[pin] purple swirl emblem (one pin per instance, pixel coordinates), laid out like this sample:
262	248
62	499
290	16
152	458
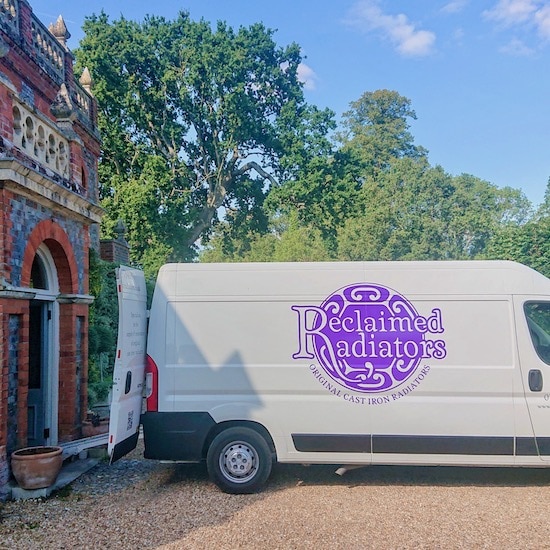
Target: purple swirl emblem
367	337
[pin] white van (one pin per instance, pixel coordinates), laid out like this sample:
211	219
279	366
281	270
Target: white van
342	363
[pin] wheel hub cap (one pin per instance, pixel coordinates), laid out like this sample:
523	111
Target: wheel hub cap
239	460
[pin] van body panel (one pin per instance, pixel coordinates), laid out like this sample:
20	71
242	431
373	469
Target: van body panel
353	362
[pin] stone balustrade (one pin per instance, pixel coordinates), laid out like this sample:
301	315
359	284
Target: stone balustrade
40	140
49	51
50	55
9	16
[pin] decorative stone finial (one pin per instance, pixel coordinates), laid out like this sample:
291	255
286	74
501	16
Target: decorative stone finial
86	80
62	107
120	230
59	30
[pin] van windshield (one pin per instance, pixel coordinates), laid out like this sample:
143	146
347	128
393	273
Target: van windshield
538	321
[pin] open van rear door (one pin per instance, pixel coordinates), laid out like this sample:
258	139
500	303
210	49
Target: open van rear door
129	368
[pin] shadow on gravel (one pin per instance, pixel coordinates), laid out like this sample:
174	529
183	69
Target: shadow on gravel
185	473
286	475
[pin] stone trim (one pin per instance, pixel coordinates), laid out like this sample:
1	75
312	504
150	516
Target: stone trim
85	299
25	181
49	53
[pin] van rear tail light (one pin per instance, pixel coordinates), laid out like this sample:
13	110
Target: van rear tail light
151	385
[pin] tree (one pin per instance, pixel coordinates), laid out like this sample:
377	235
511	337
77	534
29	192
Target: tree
405	214
322	196
527	243
376	127
330	191
288	240
196	122
413	211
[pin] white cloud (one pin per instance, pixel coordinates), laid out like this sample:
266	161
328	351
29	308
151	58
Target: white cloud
517	48
307	76
454	6
542	20
458	34
511	12
526	13
367	16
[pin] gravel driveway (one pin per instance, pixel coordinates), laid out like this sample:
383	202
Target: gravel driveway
142	504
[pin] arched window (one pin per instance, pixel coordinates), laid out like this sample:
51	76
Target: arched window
44	272
39	278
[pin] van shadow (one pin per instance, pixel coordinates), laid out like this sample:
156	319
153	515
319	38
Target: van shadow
285	476
288	475
219	381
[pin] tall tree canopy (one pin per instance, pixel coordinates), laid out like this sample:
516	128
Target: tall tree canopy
376	197
206	132
195	121
417	212
330	190
376	129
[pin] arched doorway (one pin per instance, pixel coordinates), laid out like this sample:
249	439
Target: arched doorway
43	351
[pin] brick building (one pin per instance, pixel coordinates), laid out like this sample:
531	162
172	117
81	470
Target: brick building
49	147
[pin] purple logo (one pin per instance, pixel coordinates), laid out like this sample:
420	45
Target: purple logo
367	337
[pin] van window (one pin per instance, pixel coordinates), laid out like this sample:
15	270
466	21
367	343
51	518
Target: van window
538	321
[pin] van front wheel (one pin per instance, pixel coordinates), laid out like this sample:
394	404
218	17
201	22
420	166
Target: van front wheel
239	460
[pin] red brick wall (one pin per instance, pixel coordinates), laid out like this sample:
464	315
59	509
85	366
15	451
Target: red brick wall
68	239
68	423
14	307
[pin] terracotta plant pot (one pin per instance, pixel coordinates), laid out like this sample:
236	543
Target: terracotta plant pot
36	467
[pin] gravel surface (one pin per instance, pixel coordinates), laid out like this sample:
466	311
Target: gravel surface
143	504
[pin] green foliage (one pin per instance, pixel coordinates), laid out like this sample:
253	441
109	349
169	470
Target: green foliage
196	121
207	139
528	244
415	212
376	127
323	196
288	241
102	328
334	192
404	215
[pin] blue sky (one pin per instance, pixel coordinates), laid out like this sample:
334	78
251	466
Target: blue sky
476	71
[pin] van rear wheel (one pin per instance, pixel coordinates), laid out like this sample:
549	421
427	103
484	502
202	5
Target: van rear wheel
239	460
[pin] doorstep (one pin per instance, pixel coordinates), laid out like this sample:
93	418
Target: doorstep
78	457
69	472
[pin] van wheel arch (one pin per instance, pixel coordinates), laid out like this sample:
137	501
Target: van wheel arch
222	426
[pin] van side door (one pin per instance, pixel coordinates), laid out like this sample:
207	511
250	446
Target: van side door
533	334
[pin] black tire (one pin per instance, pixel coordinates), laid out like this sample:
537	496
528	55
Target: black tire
239	460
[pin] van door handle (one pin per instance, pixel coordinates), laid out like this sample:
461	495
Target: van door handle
128	385
535	380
